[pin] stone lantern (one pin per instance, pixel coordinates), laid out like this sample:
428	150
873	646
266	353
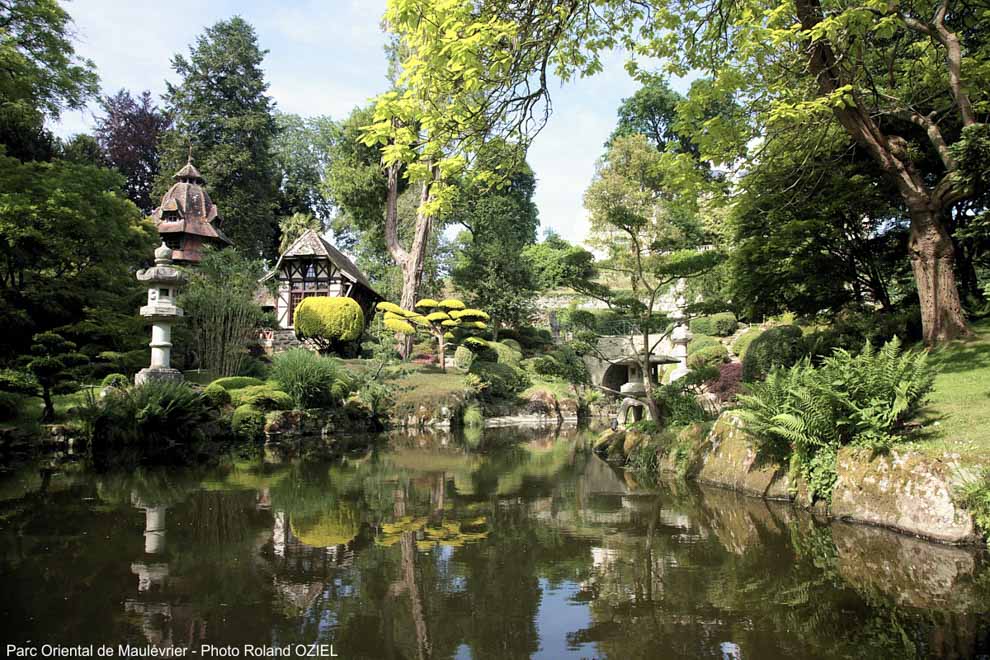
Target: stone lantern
680	338
164	282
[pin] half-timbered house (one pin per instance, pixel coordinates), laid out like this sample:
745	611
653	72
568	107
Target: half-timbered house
311	266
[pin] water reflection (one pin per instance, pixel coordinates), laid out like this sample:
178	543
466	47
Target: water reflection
510	545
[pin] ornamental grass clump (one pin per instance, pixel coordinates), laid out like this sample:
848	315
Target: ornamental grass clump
313	381
805	414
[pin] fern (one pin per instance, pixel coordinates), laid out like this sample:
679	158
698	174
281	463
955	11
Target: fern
865	400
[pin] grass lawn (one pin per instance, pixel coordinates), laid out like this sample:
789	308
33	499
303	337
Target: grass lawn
960	404
559	388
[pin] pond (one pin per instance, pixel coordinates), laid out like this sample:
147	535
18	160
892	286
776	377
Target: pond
510	545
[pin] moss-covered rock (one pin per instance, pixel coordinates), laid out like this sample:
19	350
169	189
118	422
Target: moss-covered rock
904	490
731	460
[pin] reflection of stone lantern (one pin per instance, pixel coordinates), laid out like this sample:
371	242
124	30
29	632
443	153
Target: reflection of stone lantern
154	526
164	282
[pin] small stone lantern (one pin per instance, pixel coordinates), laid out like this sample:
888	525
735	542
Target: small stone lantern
164	282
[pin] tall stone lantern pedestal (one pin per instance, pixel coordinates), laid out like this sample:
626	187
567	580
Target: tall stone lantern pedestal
164	282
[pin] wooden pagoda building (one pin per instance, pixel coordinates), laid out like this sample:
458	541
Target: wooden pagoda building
311	266
187	219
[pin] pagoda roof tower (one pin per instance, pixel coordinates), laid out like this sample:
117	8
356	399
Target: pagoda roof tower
187	219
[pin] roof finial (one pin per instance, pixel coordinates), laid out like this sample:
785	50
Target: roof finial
189	158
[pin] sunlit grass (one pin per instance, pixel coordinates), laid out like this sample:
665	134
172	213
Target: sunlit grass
959	411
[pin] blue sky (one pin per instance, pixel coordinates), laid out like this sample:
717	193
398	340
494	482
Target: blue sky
325	58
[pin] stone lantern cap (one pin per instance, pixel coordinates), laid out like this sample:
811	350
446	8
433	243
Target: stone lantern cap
163	272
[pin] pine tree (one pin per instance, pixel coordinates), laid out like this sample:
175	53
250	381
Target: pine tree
222	112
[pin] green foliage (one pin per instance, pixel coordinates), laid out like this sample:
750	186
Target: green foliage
44	74
780	346
709	356
703	325
10	405
463	357
311	380
292	227
724	323
262	397
513	344
222	314
699	342
563	363
505	353
555	263
153	413
328	321
852	329
220	106
808	412
237	382
248	422
974	495
742	342
678	403
474	417
53	363
53	216
115	380
499	380
217	395
481	349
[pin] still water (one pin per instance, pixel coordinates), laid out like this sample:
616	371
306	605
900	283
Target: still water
512	545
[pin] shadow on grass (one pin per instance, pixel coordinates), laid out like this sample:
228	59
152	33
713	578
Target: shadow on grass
963	356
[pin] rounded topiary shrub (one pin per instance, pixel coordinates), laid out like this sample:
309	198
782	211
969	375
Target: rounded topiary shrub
216	395
513	344
502	381
703	325
742	342
506	354
248	422
709	356
701	342
118	381
237	382
463	357
724	323
328	321
262	397
782	346
483	352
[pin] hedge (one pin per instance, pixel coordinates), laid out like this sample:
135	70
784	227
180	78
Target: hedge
327	320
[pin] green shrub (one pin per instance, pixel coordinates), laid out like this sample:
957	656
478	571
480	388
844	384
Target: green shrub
237	382
974	495
505	353
483	351
311	380
463	357
851	330
10	405
700	342
216	395
513	344
781	346
115	380
262	397
724	323
248	422
709	356
500	381
150	413
742	342
564	363
703	325
678	404
806	414
328	321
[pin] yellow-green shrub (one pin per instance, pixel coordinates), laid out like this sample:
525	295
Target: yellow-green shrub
328	321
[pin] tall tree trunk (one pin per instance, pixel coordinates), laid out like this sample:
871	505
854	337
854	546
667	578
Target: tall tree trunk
410	261
651	402
933	263
929	245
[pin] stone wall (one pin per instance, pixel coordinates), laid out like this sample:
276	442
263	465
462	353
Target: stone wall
904	490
